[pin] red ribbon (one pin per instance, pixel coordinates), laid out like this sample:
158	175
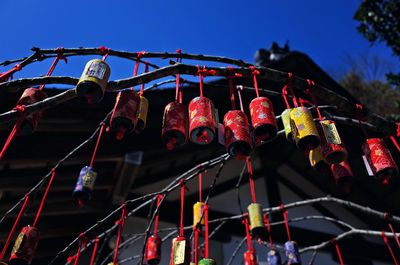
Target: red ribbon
338	253
105	51
254	73
203	72
239	89
290	86
94	252
248	236
97	144
156	220
6	75
120	224
82	243
39	211
251	179
54	64
285	218
311	85
386	241
267	222
231	75
206	232
359	113
181	227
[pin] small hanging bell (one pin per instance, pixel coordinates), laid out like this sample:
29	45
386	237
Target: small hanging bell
198	209
263	119
30	122
238	140
333	149
207	261
273	257
256	220
380	160
142	114
124	117
180	251
175	125
93	81
25	246
285	116
292	253
85	184
202	121
250	257
153	250
305	132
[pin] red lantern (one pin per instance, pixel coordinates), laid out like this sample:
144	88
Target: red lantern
379	159
250	257
342	172
238	140
25	246
153	250
202	122
333	149
30	96
124	117
263	119
175	122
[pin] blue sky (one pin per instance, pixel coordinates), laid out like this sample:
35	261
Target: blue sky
325	30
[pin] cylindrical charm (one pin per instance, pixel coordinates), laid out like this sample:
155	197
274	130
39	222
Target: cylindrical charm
379	159
273	257
257	226
180	251
285	116
333	149
124	117
250	258
305	132
202	122
175	125
238	141
263	119
93	81
142	114
316	158
292	253
207	261
153	250
342	172
25	246
198	208
85	184
30	122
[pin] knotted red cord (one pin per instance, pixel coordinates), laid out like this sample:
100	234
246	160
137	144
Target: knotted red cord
97	144
94	252
39	211
254	73
203	72
338	253
239	89
6	75
105	51
206	231
8	240
231	75
385	239
284	96
146	69
120	224
267	222
181	227
156	220
178	88
82	243
311	85
285	218
359	109
290	86
54	64
248	237
251	179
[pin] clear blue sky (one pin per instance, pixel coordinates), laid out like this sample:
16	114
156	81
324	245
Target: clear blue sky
325	30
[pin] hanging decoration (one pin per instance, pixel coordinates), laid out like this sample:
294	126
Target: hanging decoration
206	260
198	220
93	81
291	249
202	118
273	256
120	223
316	158
24	246
249	256
342	173
238	139
144	104
153	244
285	116
262	114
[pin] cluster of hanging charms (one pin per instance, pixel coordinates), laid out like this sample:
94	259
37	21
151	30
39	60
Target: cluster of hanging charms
154	243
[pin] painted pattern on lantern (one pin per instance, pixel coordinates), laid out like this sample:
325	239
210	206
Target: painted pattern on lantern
85	183
304	130
273	257
333	149
285	116
238	141
202	122
181	251
175	125
341	172
292	253
153	250
25	246
125	110
263	119
28	97
256	219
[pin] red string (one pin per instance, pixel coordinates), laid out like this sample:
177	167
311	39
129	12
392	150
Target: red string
105	51
206	230
398	129
395	142
10	138
54	64
196	245
284	95
339	253
6	75
146	69
21	211
200	187
181	228
285	218
385	239
311	85
290	86
94	252
97	144
39	211
156	220
248	237
394	235
239	89
82	242
359	109
230	77
120	223
254	73
267	222
251	179
202	72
